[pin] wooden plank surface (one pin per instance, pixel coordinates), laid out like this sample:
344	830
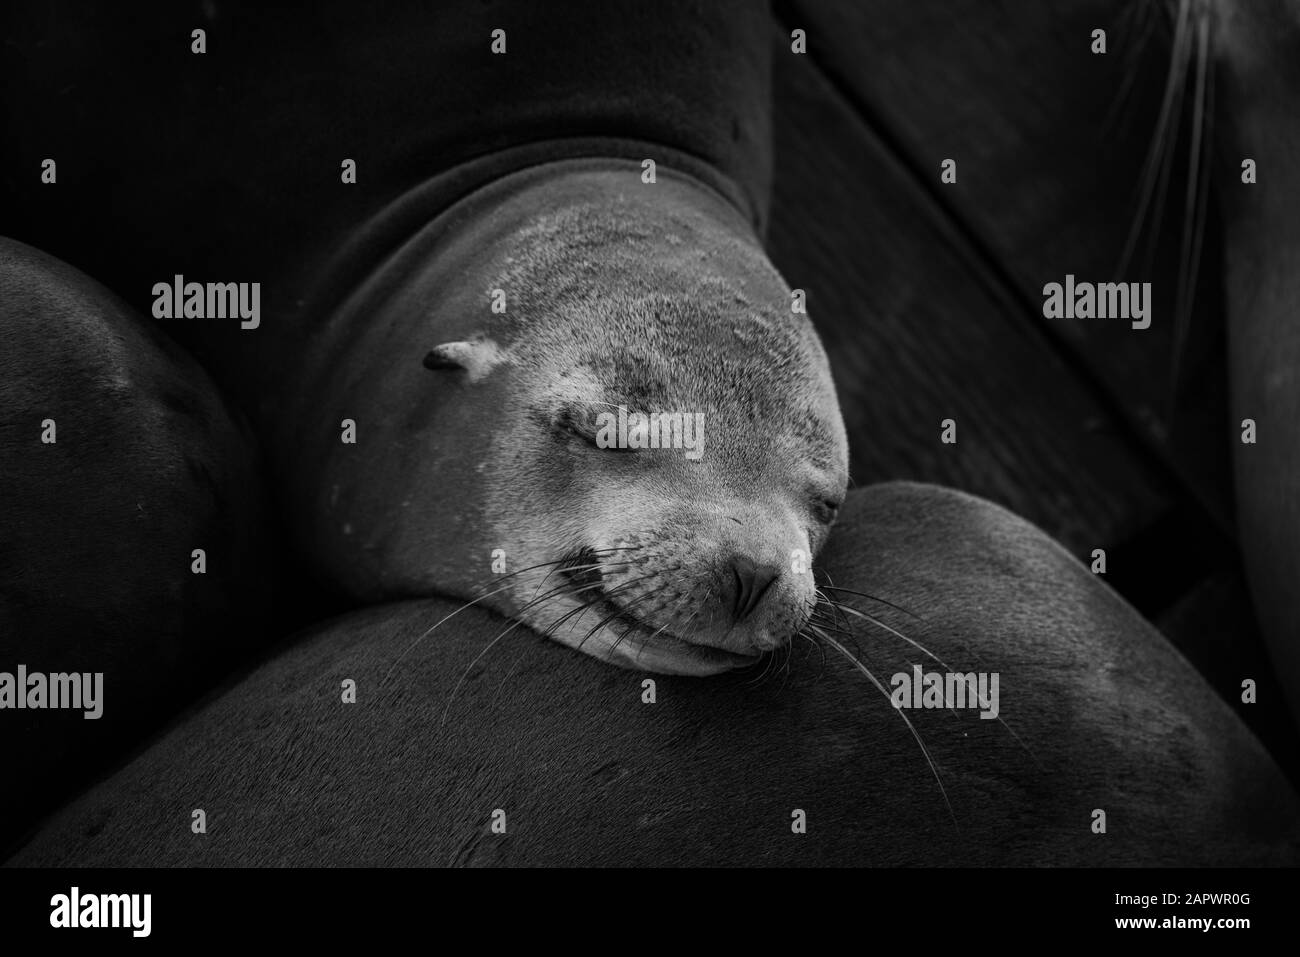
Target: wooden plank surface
917	333
1051	141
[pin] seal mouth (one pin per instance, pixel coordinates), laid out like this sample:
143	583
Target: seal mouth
639	644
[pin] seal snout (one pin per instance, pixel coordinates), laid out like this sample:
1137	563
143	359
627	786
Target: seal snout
750	581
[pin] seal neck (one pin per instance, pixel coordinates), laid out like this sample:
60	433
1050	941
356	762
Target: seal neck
367	247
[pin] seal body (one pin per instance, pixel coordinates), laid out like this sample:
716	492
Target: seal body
137	549
1099	714
1254	52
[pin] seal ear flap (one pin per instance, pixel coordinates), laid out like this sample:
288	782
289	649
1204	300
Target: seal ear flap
478	357
449	355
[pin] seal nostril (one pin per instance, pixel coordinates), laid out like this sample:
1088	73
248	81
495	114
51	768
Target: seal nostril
751	584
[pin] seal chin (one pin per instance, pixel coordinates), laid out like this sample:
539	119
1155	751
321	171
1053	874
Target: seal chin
620	636
665	654
627	642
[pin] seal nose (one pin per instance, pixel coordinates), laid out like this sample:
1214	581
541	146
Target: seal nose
751	582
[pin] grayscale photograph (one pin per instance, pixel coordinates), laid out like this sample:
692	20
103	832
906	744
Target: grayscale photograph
677	434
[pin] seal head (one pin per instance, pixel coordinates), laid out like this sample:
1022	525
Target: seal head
636	428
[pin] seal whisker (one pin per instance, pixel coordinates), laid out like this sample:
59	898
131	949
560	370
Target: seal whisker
1197	199
561	589
545	634
429	631
946	667
820	598
834	625
883	601
893	631
618	610
435	625
1147	17
558	590
554	625
757	680
1155	177
548	631
632	625
600	624
785	668
661	628
575	568
600	596
695	614
513	665
814	643
470	667
906	720
498	579
561	562
686	637
947	707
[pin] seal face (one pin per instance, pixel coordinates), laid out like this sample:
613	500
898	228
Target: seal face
669	454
